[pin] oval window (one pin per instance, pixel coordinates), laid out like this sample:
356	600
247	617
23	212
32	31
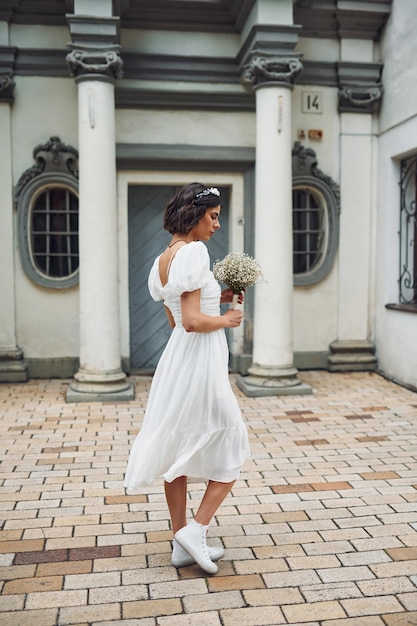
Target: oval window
316	207
54	232
310	230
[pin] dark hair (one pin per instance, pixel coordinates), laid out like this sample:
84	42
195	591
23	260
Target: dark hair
184	211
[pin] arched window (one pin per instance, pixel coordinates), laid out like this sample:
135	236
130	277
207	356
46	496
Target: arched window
47	200
316	206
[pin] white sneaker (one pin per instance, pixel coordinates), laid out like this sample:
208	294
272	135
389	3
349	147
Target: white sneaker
192	538
181	558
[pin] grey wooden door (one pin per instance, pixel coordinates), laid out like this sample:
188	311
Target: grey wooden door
149	329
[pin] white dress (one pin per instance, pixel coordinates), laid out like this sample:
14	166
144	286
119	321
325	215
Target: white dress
192	425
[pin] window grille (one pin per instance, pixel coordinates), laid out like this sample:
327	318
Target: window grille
309	230
408	232
54	233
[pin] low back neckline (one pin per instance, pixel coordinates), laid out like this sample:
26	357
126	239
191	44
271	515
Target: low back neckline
173	255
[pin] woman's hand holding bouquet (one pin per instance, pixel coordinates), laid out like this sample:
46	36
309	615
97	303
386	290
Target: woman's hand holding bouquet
238	271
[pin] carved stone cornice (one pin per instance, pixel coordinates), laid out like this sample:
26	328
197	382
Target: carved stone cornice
7	86
146	98
94	31
7	9
7	58
101	64
360	99
262	70
344	19
360	87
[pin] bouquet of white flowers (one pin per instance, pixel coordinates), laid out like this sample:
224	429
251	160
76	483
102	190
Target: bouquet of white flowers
237	270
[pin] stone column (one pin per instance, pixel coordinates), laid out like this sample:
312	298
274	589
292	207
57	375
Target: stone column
96	66
272	371
358	99
12	366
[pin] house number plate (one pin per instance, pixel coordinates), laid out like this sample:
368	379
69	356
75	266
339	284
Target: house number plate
312	102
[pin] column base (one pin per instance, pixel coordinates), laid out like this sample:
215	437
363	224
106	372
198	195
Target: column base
352	356
111	386
264	381
13	368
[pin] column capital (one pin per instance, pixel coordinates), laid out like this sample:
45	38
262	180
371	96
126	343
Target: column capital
94	53
263	71
94	64
7	63
7	86
360	87
268	56
359	99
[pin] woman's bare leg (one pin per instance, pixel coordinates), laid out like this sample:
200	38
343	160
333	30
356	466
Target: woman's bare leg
192	538
215	494
176	497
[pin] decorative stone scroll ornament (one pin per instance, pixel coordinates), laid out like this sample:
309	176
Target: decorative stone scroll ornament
7	86
274	69
360	99
51	157
305	163
95	64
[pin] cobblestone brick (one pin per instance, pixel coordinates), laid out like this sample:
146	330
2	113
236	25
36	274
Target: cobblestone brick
320	529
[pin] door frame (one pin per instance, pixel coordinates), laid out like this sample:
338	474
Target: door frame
235	182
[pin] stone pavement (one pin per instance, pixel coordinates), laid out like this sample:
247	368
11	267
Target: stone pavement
319	530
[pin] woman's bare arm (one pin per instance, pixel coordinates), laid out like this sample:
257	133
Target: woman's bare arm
194	321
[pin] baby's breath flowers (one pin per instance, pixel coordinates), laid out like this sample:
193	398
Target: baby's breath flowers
237	270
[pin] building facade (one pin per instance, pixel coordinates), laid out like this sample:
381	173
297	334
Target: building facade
302	113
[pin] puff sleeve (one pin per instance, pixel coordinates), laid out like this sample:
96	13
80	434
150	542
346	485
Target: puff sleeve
154	283
190	268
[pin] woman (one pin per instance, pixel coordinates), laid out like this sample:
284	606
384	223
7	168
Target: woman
192	425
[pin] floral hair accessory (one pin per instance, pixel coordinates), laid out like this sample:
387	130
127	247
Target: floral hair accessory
210	191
